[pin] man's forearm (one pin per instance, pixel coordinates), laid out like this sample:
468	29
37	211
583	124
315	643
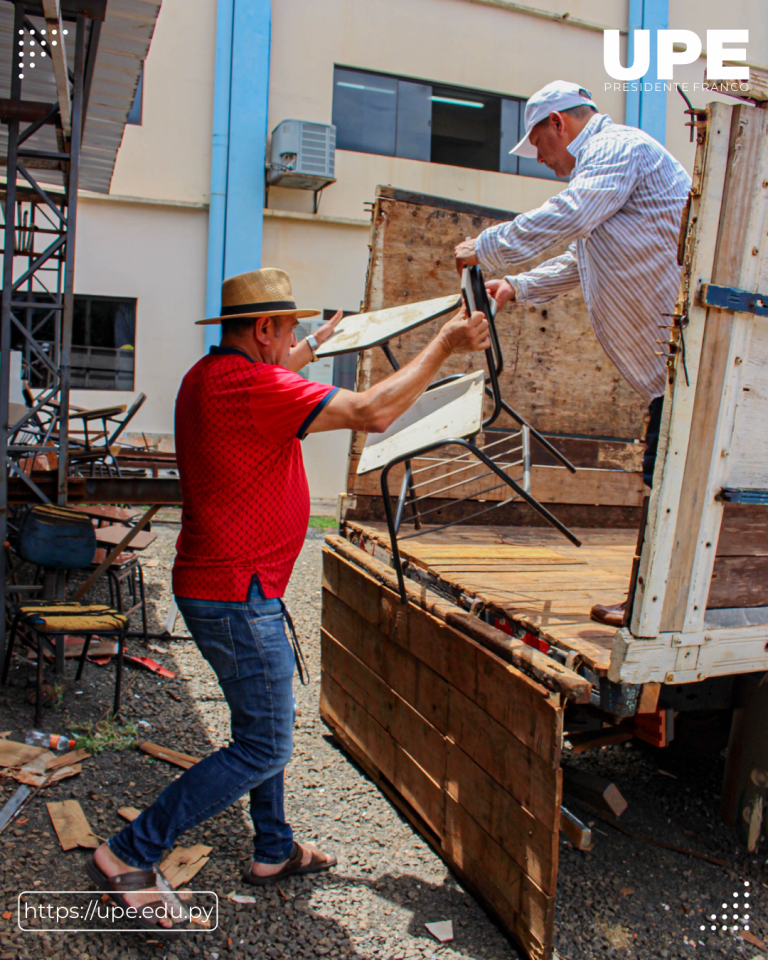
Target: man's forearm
393	396
374	410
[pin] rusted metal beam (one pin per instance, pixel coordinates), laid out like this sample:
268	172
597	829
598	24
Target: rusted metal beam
162	490
26	111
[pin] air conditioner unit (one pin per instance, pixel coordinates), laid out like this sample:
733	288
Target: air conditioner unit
302	155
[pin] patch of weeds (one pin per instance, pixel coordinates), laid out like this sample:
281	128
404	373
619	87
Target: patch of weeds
323	523
105	735
58	694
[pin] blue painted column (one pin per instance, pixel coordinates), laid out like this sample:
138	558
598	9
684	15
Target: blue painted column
241	98
647	109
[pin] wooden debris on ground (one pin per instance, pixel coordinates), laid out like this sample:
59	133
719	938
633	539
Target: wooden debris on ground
36	774
66	759
71	826
73	647
183	760
577	832
598	792
14	754
183	863
128	813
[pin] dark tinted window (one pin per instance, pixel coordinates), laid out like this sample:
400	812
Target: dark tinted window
365	111
103	343
465	128
375	113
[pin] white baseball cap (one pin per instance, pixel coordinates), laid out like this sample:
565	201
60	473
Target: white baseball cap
558	95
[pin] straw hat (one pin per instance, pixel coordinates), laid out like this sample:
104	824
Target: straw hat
260	293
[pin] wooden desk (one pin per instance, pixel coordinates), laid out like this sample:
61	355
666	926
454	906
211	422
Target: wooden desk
104	512
114	533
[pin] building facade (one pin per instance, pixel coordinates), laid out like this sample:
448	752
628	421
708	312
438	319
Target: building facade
426	95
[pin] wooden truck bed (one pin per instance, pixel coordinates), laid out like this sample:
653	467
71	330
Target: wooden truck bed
528	577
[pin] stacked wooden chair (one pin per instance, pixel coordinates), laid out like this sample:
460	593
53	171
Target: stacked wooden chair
61	539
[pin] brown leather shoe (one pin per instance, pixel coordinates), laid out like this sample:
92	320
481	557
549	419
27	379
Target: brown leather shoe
612	616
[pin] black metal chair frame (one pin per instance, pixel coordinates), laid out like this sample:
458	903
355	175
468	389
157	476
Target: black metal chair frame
132	572
476	298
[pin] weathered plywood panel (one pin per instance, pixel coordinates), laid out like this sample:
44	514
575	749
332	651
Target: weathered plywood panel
556	373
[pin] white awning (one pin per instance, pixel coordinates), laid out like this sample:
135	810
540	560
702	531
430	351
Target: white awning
123	44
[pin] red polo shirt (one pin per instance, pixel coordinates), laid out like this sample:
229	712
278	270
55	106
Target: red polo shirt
239	426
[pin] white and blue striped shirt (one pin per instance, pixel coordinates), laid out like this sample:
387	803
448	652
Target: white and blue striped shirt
621	215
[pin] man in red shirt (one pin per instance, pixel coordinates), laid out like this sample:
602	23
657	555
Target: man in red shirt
241	414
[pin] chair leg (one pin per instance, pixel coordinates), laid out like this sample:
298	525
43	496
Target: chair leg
115	593
9	648
119	677
39	693
143	597
83	655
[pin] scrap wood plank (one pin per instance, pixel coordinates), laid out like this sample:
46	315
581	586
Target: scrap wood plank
71	826
577	832
183	760
593	739
14	754
548	673
598	792
443	652
42	778
70	757
183	863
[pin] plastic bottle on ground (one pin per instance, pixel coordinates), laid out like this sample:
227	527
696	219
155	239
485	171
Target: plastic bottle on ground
50	741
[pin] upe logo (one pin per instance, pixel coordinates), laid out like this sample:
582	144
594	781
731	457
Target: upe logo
668	57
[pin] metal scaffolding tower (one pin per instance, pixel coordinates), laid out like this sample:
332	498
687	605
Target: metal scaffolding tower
49	50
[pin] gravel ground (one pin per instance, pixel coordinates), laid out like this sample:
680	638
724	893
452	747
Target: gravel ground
625	899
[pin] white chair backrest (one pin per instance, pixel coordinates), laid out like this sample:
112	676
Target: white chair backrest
451	411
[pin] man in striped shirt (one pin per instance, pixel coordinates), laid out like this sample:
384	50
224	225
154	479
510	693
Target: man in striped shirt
620	216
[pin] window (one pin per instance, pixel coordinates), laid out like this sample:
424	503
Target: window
134	115
339	371
103	342
376	113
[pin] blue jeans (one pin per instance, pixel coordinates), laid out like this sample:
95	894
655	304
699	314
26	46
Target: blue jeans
247	647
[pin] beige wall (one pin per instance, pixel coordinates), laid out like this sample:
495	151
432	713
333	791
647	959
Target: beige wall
157	255
169	156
